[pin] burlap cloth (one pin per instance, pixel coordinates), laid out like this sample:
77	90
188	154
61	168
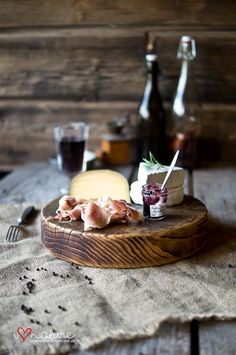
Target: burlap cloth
105	303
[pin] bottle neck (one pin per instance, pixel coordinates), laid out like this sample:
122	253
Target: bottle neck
151	99
152	73
183	76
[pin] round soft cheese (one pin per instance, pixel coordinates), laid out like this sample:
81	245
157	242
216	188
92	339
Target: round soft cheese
151	174
148	174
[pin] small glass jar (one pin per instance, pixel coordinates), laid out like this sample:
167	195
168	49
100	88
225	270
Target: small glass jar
154	200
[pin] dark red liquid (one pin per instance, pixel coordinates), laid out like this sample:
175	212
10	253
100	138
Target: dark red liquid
71	153
187	144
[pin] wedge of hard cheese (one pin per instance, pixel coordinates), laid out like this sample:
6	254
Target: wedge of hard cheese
99	183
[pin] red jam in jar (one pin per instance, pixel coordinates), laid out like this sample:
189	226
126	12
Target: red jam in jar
154	200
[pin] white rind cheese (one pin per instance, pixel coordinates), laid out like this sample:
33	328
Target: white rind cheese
147	175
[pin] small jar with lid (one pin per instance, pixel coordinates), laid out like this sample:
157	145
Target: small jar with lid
154	200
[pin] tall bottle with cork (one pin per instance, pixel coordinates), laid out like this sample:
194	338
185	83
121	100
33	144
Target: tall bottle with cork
151	126
186	122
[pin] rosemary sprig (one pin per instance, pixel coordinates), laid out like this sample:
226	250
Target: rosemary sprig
152	162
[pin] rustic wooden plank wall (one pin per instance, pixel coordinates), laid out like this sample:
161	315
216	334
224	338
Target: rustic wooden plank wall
77	59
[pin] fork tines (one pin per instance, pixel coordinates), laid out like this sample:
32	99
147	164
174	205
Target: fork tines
12	233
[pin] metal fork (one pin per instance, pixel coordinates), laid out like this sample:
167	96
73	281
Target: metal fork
13	231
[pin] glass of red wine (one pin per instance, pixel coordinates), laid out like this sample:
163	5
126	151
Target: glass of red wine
71	140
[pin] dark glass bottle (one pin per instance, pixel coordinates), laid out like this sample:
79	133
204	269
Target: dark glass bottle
151	122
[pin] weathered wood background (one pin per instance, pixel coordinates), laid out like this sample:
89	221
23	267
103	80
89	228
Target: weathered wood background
81	59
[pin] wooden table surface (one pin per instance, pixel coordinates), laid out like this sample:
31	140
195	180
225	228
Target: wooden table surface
37	183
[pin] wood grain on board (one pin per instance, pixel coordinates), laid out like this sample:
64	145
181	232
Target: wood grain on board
148	243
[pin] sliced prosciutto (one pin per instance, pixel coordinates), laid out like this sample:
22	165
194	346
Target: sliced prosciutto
69	207
94	216
96	213
66	203
73	214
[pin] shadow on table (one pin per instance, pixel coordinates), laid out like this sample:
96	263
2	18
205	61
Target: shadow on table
219	234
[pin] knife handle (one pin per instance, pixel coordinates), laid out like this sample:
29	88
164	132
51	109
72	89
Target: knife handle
27	214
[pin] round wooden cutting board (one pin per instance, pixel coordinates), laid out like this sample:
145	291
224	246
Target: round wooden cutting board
150	243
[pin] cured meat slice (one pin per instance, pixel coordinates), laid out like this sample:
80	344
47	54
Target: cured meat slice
94	216
66	203
96	213
74	214
120	210
134	215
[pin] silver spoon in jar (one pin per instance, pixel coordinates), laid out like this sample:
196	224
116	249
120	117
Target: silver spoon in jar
171	167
